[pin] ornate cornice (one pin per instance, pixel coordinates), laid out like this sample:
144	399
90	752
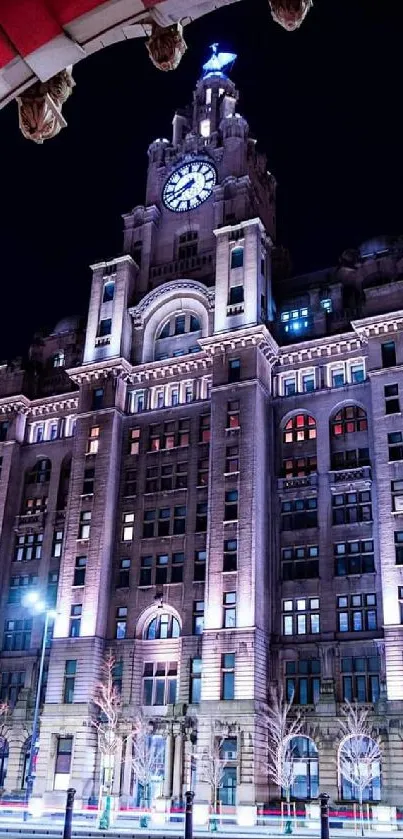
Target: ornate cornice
156	372
18	404
322	348
99	370
378	325
53	405
165	290
252	336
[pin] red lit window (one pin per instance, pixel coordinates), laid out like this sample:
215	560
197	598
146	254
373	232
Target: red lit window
349	420
299	428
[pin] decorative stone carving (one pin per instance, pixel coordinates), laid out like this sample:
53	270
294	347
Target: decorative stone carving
290	13
40	107
166	46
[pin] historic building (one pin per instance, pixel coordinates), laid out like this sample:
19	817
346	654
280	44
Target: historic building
207	478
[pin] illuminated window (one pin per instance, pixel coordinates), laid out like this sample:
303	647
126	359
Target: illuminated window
134	440
360	679
228	676
128	527
93	440
229	609
109	291
84	525
28	546
160	684
231	460
233	414
204	428
58	359
295	320
327	305
198	617
121	622
208	95
161	627
205	128
299	467
70	668
75	620
356	613
348	421
195	680
301	616
299	428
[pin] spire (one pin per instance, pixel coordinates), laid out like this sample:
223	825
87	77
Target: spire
217	61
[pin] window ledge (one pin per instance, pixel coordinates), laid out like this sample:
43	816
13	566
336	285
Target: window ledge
103	340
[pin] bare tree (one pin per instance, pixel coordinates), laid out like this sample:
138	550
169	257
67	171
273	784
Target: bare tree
105	712
284	722
359	751
212	765
147	757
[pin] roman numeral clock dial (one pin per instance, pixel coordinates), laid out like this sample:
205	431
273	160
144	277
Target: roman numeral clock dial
189	185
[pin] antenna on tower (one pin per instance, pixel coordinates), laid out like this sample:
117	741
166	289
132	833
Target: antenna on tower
217	61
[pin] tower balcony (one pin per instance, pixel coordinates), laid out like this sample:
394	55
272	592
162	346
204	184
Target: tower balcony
284	484
29	521
349	476
181	266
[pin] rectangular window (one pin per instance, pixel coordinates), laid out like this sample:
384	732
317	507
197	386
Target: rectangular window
88	483
128	527
181	475
97	398
232	460
350	459
134	441
357	373
179	520
195	680
152	476
234	370
75	620
28	546
303	681
169	435
236	295
11	684
146	568
178	559
17	635
356	613
233	414
299	467
160	683
396	488
230	562
201	517
93	440
84	529
228	676
299	514
229	609
354	557
164	521
338	377
202	472
399	547
200	566
149	524
123	578
352	507
400	599
51	589
360	679
21	586
130	483
198	617
79	571
57	543
289	385
161	571
237	257
4	430
70	669
183	432
308	382
301	616
395	445
231	505
300	562
63	762
204	429
109	291
121	623
392	403
388	351
104	327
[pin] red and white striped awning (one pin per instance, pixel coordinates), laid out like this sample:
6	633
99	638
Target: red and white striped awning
38	38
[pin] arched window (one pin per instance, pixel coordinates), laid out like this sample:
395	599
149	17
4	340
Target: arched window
360	769
40	474
178	336
303	761
299	428
348	421
162	626
3	760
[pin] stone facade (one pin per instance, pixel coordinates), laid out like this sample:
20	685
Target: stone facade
206	479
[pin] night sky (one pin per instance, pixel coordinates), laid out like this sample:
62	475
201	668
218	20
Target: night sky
324	102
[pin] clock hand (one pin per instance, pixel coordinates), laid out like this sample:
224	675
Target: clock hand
185	187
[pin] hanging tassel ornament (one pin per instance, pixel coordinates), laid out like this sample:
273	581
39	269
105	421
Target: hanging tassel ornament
40	107
166	45
290	13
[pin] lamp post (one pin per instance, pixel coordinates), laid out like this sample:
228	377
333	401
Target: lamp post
32	599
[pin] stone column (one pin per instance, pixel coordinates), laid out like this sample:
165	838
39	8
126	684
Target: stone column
168	765
117	767
127	771
177	782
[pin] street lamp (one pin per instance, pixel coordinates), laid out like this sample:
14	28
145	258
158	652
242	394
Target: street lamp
33	600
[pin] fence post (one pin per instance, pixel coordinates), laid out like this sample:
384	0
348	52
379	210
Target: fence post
189	796
69	813
324	815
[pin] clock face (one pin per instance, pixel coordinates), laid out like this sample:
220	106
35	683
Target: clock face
189	185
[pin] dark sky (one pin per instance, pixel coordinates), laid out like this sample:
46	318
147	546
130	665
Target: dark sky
324	102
